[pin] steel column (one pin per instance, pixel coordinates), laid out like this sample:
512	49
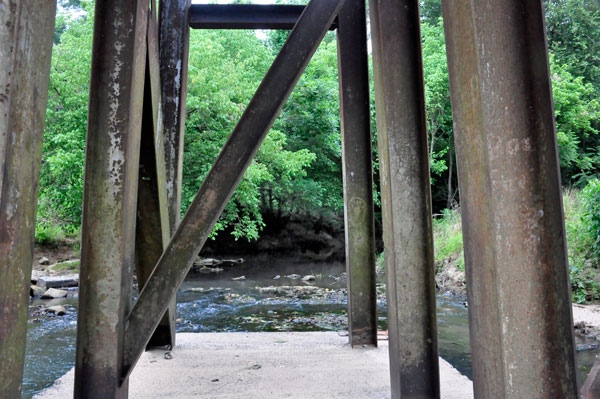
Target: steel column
513	224
355	118
406	198
26	31
225	175
174	33
152	225
110	195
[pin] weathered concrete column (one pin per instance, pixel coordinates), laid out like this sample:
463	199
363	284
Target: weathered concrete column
406	198
110	195
355	118
174	36
513	229
26	31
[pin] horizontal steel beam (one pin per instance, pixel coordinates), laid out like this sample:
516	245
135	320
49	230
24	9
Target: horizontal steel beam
246	16
225	175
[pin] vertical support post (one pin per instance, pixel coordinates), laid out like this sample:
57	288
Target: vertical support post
26	28
358	175
152	224
513	224
110	195
406	198
174	34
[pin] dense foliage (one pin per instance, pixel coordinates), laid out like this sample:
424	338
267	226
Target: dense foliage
298	169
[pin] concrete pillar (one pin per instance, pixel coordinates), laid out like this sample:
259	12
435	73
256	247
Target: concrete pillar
405	197
110	195
26	32
355	118
513	225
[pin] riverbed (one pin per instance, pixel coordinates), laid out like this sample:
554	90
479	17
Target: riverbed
271	296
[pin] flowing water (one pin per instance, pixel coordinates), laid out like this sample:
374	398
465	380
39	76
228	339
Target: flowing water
260	302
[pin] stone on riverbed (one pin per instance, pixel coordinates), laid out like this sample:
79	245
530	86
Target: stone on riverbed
68	280
57	310
36	291
309	277
53	293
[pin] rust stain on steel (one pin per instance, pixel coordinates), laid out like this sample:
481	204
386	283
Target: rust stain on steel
225	175
513	229
355	121
406	198
25	53
174	46
110	195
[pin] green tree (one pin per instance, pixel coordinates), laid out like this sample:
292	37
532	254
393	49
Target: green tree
573	28
225	70
576	111
66	118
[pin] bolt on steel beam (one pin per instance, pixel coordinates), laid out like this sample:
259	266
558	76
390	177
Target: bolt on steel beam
152	223
174	36
246	16
355	118
513	225
225	175
25	53
406	198
110	195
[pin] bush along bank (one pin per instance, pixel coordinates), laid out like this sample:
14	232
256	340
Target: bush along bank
582	222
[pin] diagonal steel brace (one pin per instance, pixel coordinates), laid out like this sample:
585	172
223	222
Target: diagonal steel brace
225	175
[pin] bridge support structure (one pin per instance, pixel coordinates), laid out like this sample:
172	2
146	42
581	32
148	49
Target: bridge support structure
518	284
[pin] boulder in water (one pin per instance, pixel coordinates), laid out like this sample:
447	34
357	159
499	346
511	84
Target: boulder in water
53	293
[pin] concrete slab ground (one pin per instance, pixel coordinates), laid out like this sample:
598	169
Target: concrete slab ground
311	365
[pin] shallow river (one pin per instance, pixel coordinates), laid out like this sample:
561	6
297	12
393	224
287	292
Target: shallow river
215	302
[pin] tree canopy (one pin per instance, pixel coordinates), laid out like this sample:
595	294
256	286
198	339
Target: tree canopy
298	169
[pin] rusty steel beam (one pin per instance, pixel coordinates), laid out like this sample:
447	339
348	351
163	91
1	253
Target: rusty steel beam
591	387
355	119
246	16
406	198
152	224
110	195
26	29
173	34
225	175
513	225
